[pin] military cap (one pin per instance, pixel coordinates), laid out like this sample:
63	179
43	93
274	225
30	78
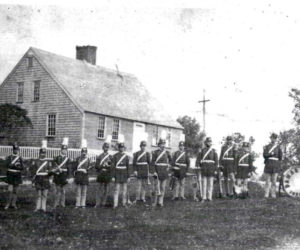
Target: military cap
161	141
121	145
246	144
143	143
42	150
181	143
229	138
84	150
105	145
15	146
64	146
208	139
273	135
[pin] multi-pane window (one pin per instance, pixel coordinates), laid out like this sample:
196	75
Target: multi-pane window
155	136
20	91
116	128
101	127
168	139
30	61
36	91
51	125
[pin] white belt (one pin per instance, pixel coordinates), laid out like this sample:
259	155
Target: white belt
243	165
207	161
273	158
64	170
103	169
14	170
161	164
82	170
176	168
121	167
142	163
181	164
42	174
228	159
197	167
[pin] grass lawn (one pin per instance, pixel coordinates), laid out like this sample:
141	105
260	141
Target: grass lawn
254	223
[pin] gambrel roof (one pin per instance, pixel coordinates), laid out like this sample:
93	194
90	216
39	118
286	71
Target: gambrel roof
104	91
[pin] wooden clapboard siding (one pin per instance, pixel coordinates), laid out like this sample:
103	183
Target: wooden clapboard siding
52	100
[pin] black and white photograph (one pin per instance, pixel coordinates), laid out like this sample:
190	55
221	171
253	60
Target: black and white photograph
150	124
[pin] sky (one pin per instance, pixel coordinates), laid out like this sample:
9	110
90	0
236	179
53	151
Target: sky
243	53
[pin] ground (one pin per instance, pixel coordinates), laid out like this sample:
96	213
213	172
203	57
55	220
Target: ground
255	223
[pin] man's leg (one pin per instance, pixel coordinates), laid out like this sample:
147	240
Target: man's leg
83	195
63	196
143	190
204	187
98	194
273	184
176	189
210	186
231	183
10	196
124	194
15	196
44	199
138	190
268	185
105	193
162	190
116	194
38	200
182	184
78	195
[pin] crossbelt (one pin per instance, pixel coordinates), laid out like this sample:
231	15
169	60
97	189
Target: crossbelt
14	170
161	164
244	165
228	159
273	158
142	163
81	170
43	174
181	164
208	161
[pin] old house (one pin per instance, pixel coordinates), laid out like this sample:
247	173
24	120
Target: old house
75	98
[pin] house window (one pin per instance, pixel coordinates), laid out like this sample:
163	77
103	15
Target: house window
51	125
168	139
20	91
101	127
36	91
116	128
155	136
30	61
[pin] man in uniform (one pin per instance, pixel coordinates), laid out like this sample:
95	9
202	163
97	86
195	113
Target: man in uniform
273	156
208	161
120	174
82	176
244	166
227	162
103	167
14	179
141	163
180	166
161	159
41	169
61	173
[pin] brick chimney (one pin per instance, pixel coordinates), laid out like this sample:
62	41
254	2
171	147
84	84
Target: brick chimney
87	53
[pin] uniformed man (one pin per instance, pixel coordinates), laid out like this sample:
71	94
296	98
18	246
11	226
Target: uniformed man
244	166
81	176
120	174
141	163
227	164
41	170
208	161
103	167
61	173
161	159
273	156
180	166
14	178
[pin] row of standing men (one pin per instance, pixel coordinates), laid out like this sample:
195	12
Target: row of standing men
235	164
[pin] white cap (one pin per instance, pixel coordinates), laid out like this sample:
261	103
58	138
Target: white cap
44	143
108	139
65	141
163	135
182	137
121	138
84	143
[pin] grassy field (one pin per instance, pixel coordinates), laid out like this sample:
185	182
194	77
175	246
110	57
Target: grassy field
254	223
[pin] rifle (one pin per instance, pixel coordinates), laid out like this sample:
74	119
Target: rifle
172	182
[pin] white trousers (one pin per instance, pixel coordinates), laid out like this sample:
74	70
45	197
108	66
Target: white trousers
102	194
207	187
118	186
179	188
60	196
229	183
270	185
142	187
197	185
41	201
81	191
162	186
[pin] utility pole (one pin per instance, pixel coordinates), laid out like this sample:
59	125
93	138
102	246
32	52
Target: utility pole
203	101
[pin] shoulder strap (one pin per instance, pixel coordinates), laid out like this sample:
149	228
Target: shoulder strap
141	155
41	167
63	163
161	154
227	151
15	160
243	157
270	151
81	163
121	159
103	159
179	157
207	152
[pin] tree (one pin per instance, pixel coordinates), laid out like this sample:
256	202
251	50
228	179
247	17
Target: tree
193	137
12	118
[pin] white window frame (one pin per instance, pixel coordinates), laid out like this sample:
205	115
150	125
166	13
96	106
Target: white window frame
34	85
119	129
155	135
30	62
47	125
18	90
169	138
98	128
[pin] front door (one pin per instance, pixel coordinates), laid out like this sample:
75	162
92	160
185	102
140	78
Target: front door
138	135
